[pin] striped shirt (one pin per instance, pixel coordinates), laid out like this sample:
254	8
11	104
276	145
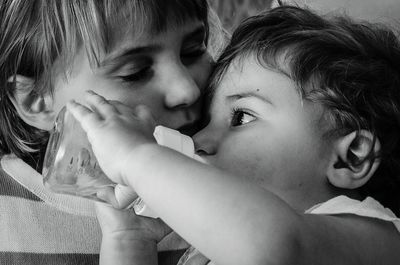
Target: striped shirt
40	227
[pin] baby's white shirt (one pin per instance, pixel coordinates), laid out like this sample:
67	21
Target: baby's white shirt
369	207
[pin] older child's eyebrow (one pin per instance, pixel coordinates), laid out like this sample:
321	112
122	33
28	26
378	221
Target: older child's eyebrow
129	53
198	33
248	95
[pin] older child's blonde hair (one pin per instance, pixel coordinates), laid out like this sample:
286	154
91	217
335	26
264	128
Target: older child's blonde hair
36	33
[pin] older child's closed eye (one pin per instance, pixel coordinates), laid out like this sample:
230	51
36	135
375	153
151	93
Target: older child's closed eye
194	47
191	54
137	74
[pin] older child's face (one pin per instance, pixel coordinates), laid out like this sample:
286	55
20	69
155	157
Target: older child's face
166	72
261	130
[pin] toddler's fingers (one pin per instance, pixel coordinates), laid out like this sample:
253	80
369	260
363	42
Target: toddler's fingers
99	104
119	196
124	195
85	116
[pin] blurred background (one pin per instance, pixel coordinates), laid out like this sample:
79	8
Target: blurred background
231	12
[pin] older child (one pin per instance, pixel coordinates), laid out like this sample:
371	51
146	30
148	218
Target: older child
304	118
148	52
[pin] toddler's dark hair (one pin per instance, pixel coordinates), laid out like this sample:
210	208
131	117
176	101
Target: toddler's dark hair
352	68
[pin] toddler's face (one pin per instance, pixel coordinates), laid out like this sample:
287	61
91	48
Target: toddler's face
166	72
260	129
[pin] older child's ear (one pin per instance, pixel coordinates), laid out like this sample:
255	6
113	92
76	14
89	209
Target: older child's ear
32	108
349	167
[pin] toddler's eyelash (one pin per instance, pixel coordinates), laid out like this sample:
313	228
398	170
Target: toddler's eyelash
234	110
238	109
238	115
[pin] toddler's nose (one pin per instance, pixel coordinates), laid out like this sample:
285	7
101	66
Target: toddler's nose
205	142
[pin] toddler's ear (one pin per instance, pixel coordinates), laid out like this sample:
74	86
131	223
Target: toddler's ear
350	168
32	108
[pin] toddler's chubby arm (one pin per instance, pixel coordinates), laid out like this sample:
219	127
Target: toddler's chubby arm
226	218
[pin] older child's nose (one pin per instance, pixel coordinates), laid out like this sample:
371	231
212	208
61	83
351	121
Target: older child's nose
205	142
181	89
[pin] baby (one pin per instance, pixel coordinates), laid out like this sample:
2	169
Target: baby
303	130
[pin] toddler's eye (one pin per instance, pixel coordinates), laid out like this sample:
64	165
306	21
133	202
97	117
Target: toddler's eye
240	117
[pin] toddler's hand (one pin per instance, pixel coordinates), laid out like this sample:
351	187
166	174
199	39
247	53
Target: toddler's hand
125	224
128	238
113	129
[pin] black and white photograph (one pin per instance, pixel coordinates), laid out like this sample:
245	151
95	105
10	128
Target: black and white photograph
199	132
